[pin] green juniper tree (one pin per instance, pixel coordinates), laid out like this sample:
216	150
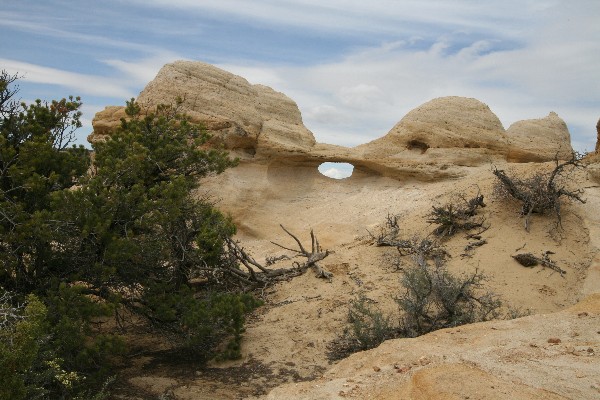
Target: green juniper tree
91	237
35	163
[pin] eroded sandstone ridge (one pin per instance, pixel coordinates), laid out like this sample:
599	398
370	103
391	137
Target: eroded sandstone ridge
431	142
243	117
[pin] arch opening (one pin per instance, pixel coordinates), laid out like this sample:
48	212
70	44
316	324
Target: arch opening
336	170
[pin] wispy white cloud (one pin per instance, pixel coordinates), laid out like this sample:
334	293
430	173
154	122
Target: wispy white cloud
336	170
361	96
523	58
46	27
141	71
325	114
81	83
384	16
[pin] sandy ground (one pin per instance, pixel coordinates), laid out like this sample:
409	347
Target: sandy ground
286	340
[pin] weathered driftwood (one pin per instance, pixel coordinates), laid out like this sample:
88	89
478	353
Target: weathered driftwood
316	254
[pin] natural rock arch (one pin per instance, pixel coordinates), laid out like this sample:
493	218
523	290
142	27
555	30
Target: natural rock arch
257	124
336	170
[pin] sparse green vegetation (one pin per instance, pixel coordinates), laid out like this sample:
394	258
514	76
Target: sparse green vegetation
368	328
453	217
433	299
436	299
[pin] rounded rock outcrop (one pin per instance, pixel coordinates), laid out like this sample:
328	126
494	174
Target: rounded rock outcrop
464	131
242	117
455	130
450	122
539	140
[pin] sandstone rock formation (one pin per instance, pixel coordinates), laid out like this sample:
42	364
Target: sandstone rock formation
539	140
431	142
593	169
550	356
452	130
464	131
448	122
245	118
278	182
593	159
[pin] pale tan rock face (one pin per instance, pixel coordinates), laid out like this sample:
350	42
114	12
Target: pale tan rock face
434	141
539	140
592	162
464	131
106	121
444	131
448	122
237	114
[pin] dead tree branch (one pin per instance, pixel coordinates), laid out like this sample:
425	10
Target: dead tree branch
452	217
313	257
471	246
273	259
388	233
542	192
529	260
255	274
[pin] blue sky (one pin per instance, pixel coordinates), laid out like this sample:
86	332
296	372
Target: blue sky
355	68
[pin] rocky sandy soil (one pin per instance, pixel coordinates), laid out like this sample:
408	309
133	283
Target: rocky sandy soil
286	340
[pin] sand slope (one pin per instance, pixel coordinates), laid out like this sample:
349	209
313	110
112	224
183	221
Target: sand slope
286	340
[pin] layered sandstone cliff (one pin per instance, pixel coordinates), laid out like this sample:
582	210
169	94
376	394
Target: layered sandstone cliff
244	118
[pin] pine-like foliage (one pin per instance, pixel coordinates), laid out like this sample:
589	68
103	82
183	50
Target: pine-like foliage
121	233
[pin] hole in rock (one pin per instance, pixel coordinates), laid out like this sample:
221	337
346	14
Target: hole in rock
417	145
336	170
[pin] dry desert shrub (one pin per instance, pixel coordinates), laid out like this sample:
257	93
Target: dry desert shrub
432	298
436	299
367	328
456	216
543	192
